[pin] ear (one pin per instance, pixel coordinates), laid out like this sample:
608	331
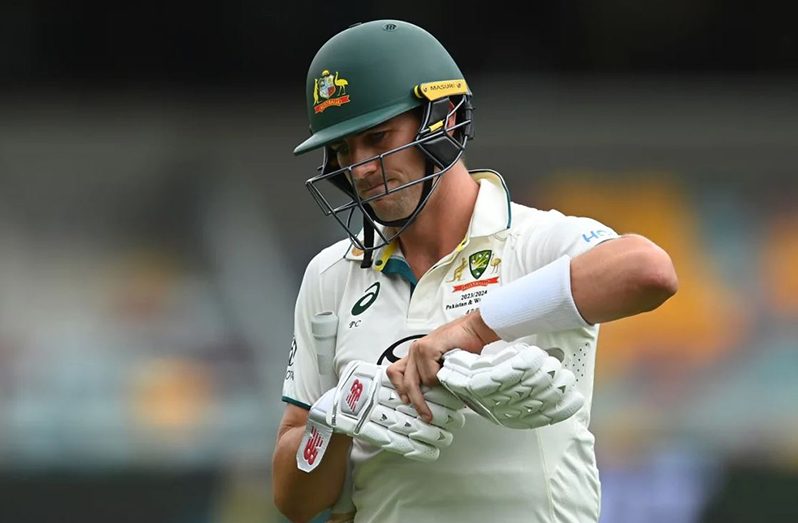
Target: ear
452	115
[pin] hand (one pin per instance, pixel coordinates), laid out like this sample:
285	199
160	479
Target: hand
423	361
520	387
365	405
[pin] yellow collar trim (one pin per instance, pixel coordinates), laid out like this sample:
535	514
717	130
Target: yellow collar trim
385	255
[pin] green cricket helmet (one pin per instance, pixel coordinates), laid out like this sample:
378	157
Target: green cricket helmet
370	73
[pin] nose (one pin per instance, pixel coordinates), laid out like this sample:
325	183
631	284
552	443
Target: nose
366	169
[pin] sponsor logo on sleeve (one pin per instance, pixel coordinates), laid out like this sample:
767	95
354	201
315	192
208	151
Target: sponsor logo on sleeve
289	373
596	234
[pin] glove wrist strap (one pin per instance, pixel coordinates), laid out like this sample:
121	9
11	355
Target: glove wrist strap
313	445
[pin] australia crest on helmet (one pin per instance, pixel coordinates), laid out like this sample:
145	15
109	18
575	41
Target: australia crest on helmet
329	90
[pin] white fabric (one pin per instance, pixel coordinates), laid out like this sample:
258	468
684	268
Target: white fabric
489	473
536	303
520	387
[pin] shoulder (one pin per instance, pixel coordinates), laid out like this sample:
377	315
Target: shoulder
525	216
330	266
330	256
531	221
326	277
552	221
552	233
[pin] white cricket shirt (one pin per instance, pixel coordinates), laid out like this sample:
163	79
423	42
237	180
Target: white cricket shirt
489	473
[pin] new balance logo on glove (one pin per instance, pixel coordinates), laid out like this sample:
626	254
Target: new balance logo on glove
312	446
354	394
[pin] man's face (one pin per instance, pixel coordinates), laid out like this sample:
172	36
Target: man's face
400	168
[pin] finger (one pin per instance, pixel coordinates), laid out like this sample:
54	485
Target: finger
427	363
397	378
428	371
395	374
444	405
412	389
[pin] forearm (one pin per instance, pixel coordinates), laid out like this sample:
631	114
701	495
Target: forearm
621	278
301	495
618	278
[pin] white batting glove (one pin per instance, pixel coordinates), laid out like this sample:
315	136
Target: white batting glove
366	406
521	386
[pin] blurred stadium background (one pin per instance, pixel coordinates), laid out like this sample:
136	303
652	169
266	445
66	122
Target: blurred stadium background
154	228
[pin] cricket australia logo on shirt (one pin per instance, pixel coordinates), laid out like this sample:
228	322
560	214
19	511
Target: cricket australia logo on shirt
466	294
478	262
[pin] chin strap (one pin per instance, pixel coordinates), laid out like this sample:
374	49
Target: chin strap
368	241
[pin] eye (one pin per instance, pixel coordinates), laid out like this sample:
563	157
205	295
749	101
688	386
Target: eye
339	149
376	137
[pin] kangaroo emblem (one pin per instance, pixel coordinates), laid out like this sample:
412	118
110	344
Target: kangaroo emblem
458	271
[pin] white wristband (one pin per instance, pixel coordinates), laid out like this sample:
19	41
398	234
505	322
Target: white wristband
539	302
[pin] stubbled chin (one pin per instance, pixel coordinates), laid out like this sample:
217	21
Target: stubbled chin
391	210
397	205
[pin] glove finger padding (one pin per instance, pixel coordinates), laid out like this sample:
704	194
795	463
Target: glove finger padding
519	387
411	426
387	439
366	406
444	405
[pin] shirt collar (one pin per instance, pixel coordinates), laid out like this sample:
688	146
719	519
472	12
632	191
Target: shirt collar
492	214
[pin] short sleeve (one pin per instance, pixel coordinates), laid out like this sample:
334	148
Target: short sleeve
561	235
